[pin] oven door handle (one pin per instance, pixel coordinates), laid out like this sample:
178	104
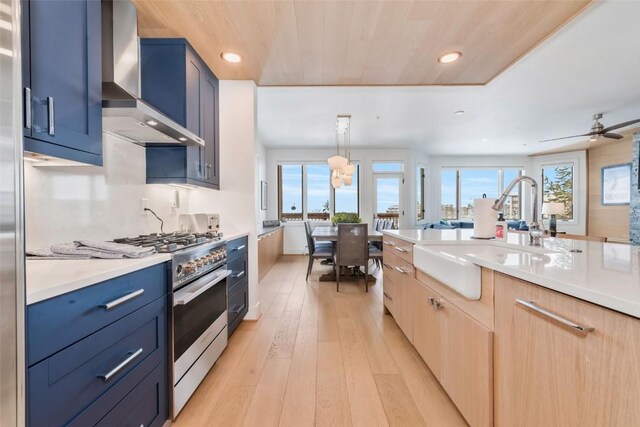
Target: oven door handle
186	295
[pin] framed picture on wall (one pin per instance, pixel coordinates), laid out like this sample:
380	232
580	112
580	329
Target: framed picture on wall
616	185
263	195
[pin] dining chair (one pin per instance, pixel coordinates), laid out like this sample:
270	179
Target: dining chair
375	253
317	250
352	250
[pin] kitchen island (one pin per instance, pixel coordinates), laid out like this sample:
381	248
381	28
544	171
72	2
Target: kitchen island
521	335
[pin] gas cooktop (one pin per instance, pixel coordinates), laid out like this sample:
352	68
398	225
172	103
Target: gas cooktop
170	242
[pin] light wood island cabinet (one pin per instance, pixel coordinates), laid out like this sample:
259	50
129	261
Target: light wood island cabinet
506	362
550	374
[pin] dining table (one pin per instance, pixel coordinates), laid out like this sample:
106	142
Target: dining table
325	233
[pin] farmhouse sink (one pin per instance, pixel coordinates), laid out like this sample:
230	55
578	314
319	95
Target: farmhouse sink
450	265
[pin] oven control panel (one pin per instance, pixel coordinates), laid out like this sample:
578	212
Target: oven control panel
194	262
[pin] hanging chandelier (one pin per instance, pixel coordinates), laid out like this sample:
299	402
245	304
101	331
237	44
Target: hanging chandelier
341	166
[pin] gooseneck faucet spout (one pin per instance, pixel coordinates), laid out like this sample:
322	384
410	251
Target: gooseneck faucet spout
535	231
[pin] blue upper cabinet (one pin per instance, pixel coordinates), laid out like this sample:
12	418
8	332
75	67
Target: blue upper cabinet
178	83
62	79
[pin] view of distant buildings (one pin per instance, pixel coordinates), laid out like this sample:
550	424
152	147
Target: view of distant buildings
511	210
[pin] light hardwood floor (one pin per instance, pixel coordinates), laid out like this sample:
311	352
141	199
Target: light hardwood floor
317	357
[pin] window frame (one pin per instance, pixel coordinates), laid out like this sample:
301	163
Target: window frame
573	166
421	191
304	184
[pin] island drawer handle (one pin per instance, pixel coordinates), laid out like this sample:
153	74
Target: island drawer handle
575	326
386	265
400	270
386	295
122	300
436	304
399	249
388	243
106	377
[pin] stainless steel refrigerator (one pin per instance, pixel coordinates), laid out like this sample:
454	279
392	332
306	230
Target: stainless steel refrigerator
12	306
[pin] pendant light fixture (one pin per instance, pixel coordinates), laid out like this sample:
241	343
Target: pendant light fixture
341	166
337	162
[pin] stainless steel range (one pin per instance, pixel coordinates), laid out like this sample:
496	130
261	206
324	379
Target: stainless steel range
199	314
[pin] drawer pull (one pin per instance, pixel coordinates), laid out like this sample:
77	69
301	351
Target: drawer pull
122	300
387	243
27	108
237	309
575	326
435	303
400	270
239	275
387	296
399	249
121	366
241	247
51	127
386	265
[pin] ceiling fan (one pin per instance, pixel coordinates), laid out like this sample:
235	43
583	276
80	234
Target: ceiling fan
599	131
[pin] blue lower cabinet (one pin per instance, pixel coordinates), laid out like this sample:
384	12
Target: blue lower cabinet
238	305
98	355
237	282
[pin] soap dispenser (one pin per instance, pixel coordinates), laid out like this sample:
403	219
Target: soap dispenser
502	228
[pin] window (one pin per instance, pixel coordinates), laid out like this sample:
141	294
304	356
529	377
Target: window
459	188
557	186
383	167
449	194
346	197
420	192
290	202
305	192
318	192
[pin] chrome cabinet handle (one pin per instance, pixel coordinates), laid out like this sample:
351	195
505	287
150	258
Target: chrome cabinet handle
27	107
386	242
435	304
399	249
123	299
400	270
386	265
386	295
52	117
106	377
239	275
241	247
187	294
575	326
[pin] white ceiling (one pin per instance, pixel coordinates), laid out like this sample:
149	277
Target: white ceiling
591	65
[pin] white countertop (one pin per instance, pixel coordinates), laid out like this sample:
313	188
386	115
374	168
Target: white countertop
232	234
606	274
49	278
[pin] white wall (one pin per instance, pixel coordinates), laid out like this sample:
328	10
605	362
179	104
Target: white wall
437	163
294	238
236	200
70	203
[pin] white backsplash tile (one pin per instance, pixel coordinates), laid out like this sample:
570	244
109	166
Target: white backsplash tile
70	203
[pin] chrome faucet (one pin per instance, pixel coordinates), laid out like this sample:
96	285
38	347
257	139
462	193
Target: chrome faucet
535	231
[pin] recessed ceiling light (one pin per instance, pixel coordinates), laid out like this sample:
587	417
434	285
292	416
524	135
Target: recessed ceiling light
182	138
449	57
458	113
231	57
485	139
152	122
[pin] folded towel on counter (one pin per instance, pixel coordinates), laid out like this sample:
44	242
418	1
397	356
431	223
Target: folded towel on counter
86	249
48	254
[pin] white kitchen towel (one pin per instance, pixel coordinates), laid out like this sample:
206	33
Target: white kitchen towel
128	251
49	255
86	249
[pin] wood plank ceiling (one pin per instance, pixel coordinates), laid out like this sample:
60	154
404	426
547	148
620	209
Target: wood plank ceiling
293	43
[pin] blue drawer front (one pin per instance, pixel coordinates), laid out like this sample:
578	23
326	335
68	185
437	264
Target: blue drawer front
61	321
238	305
146	405
236	247
63	385
238	267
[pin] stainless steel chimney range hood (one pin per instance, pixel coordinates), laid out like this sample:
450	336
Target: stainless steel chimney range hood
124	114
